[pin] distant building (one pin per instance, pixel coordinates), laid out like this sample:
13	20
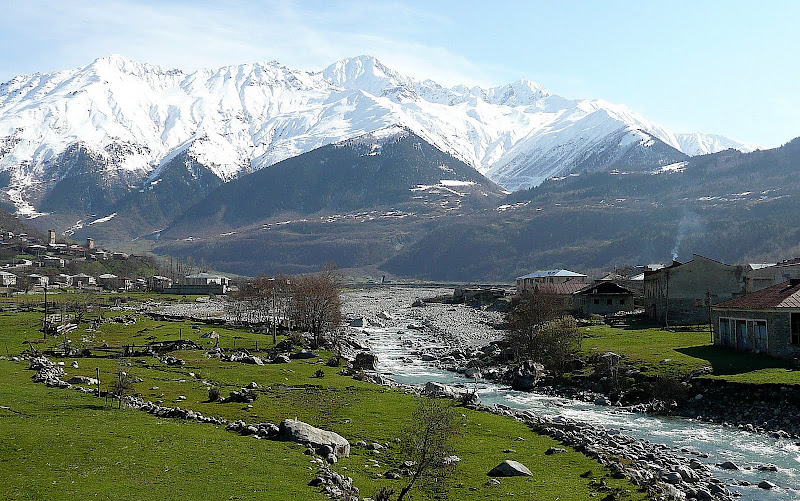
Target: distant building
7	279
52	262
51	236
205	279
762	275
83	280
603	298
532	280
157	283
38	280
683	292
110	281
766	321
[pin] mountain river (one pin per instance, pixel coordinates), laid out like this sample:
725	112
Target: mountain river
720	443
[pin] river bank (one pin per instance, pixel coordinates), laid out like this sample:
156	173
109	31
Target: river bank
414	355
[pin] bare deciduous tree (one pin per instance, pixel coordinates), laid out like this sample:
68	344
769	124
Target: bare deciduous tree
316	304
428	443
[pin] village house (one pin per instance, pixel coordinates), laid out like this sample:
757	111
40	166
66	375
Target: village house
36	280
35	250
531	281
7	279
110	281
158	283
82	280
603	298
766	321
61	279
682	293
762	275
52	262
200	283
205	279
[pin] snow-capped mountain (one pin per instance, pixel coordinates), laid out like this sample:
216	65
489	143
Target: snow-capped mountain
132	119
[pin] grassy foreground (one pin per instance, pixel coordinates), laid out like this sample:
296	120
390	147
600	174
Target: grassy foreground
57	443
658	351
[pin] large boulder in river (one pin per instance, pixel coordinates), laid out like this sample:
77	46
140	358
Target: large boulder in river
510	468
365	362
303	433
439	390
526	375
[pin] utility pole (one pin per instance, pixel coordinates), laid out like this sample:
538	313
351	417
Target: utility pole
274	327
44	322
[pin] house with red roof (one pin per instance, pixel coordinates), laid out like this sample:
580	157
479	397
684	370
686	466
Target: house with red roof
766	321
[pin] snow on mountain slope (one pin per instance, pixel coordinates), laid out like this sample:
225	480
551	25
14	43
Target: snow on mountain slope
698	143
135	117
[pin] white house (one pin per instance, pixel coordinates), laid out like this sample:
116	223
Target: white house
531	280
206	279
7	279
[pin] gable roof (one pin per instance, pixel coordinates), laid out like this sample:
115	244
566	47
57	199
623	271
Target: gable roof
783	295
604	288
551	273
563	288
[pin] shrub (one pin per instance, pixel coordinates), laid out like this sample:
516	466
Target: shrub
296	338
334	361
383	494
319	373
213	394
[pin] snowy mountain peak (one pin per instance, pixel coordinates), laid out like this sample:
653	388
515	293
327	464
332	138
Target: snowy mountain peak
365	73
134	117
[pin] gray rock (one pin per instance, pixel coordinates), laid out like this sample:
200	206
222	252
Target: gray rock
300	432
766	484
303	355
728	465
510	468
280	359
671	477
365	362
554	450
83	380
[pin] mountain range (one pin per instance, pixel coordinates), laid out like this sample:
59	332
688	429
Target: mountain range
260	168
131	119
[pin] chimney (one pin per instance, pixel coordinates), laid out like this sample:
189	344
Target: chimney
90	243
51	235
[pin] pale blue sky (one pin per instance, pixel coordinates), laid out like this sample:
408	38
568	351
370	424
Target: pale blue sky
727	67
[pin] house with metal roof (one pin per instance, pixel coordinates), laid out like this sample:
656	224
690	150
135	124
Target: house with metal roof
532	280
766	321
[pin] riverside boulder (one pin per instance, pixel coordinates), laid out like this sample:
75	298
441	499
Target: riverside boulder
510	468
303	433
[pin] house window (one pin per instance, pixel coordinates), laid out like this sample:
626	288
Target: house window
795	328
609	302
596	301
621	301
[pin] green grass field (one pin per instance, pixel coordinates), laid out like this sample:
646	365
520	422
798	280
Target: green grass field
56	443
666	352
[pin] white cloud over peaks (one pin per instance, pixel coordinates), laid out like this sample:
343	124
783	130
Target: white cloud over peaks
193	35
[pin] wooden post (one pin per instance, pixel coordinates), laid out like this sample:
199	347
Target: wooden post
256	344
180	333
7	353
97	376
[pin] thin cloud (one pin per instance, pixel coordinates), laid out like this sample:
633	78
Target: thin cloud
196	35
